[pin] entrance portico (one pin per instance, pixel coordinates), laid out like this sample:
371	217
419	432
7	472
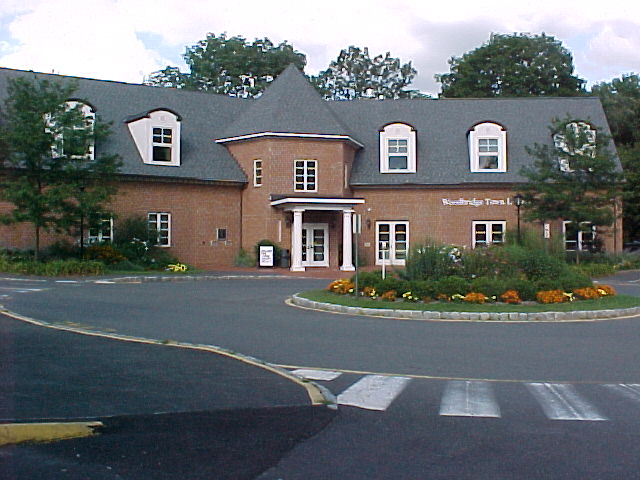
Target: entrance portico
310	241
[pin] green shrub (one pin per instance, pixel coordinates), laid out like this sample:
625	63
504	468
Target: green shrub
106	253
423	288
53	268
479	262
244	259
430	261
60	250
392	284
366	279
490	286
526	288
534	264
574	278
596	269
125	265
452	285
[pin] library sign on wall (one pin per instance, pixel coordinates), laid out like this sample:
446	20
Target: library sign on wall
476	202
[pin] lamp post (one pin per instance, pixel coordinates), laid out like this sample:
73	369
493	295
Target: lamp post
518	200
81	222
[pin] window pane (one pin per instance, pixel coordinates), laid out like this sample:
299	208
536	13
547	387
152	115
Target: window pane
397	162
161	154
488	162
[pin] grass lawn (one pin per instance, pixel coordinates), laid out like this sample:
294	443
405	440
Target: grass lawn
603	303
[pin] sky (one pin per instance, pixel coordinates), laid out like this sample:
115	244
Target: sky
126	40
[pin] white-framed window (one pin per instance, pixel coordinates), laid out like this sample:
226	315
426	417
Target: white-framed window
161	144
398	149
103	232
257	173
581	238
490	232
392	242
488	148
305	175
221	234
583	143
161	223
157	137
76	141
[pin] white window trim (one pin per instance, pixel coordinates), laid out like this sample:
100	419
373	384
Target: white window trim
158	223
100	237
579	241
489	224
398	131
487	130
305	182
392	260
258	166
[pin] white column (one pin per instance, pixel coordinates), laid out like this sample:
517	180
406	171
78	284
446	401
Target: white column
296	242
347	241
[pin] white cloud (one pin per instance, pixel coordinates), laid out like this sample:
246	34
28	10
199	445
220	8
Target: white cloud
102	38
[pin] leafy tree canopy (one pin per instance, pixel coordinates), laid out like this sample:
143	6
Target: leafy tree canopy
230	66
575	179
621	101
516	65
52	176
354	74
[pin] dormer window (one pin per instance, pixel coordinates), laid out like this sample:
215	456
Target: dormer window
488	148
73	131
162	141
577	139
157	137
398	149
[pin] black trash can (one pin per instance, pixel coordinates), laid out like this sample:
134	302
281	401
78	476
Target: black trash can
285	258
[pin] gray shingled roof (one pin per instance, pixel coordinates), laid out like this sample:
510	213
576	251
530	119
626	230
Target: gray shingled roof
204	117
442	127
291	105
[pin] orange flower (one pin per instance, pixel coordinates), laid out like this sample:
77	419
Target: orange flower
510	296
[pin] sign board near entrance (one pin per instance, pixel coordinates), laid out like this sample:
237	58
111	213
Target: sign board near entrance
266	256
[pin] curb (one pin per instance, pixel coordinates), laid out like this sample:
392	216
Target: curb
318	395
182	278
510	317
13	433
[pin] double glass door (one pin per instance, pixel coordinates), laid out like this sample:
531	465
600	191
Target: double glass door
315	245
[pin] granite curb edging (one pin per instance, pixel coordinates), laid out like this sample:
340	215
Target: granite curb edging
469	316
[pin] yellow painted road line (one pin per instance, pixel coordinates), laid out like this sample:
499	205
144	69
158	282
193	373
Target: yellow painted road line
317	394
12	433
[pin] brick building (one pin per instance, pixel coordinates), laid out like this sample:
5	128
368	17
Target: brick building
215	174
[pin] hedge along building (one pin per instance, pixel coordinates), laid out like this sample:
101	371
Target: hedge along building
215	174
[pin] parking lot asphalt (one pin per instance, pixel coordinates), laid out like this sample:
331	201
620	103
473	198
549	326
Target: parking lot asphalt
167	412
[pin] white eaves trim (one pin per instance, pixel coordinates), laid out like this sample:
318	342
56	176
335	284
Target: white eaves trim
326	201
290	135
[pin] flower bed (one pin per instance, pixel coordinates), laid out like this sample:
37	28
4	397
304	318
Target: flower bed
411	292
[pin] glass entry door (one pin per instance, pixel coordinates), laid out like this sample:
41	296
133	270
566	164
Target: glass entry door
315	245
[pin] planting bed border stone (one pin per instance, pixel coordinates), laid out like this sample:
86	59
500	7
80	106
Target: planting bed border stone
580	315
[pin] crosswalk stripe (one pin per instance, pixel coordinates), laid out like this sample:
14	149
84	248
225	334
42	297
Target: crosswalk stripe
373	392
629	390
560	401
310	374
469	399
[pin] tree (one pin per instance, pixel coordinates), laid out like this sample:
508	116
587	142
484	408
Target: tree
621	101
575	180
517	65
52	177
230	66
354	74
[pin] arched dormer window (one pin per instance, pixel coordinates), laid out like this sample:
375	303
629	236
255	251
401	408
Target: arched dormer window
398	148
488	148
574	139
72	130
157	137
